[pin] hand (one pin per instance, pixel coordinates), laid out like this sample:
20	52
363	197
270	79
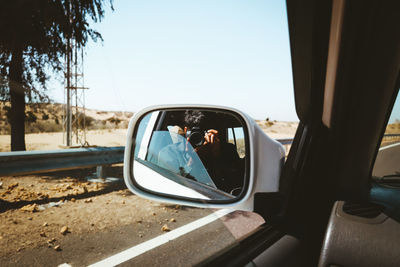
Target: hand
211	145
211	137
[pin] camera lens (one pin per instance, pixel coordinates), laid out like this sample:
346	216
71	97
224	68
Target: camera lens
196	137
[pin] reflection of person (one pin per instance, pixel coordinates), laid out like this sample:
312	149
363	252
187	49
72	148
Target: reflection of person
180	158
220	158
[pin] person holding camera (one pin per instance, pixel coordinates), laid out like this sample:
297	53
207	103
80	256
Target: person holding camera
220	158
198	153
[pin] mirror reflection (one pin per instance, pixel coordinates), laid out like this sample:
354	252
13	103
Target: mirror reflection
191	153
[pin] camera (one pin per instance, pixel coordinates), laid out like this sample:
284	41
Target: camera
196	136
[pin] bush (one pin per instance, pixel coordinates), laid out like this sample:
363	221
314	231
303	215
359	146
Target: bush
269	123
7	112
89	120
83	120
42	127
5	129
30	117
114	120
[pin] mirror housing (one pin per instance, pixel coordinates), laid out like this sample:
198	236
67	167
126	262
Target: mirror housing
264	160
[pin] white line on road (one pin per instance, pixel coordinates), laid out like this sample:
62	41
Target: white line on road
160	240
389	146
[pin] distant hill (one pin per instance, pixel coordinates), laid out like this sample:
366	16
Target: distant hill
48	117
278	129
393	128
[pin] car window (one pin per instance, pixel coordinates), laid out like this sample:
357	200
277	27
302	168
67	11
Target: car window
236	137
388	157
141	130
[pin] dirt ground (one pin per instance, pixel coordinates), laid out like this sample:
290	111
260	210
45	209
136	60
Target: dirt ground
52	141
39	211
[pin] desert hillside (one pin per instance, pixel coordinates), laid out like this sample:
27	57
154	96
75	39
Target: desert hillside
44	127
48	117
393	128
278	129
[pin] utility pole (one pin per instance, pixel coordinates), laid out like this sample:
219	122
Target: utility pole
67	111
74	123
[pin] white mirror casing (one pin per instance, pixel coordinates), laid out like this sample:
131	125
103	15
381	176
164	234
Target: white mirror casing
266	158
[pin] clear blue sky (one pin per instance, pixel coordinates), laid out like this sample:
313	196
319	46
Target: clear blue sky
395	115
231	53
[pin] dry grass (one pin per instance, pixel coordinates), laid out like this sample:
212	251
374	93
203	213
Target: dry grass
393	128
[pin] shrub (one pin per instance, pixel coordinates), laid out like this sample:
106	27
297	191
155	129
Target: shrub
7	112
83	120
269	123
30	117
89	120
114	120
42	127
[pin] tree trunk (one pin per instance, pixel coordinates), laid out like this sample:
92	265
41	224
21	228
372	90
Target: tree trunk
17	96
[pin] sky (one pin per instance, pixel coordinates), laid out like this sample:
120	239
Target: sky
229	53
395	115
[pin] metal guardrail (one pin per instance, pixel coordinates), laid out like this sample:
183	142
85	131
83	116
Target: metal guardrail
27	162
391	135
389	139
286	141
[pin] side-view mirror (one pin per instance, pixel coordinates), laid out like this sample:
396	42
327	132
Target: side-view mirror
202	156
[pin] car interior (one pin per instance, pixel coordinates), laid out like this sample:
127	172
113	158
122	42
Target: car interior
330	211
165	133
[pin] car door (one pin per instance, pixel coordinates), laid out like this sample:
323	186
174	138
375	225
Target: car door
345	86
346	61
